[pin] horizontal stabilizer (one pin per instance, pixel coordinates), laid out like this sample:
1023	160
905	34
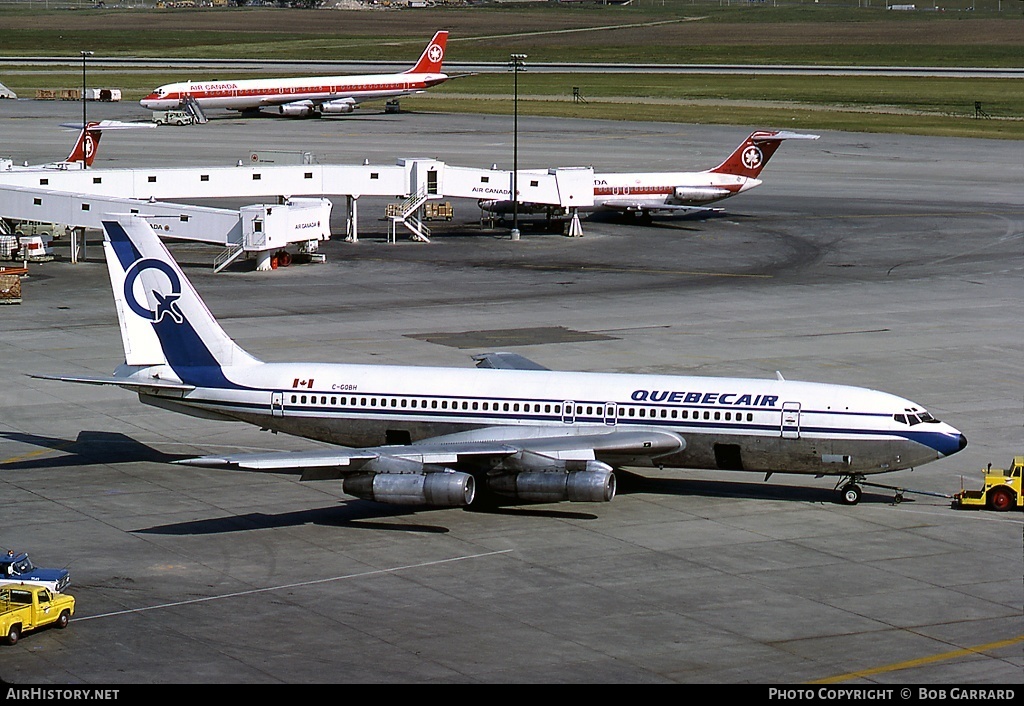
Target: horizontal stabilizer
127	383
782	135
110	125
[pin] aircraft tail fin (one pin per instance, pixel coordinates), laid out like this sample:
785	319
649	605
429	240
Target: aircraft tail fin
163	319
433	56
753	154
85	148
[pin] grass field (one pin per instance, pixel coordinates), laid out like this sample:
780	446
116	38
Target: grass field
673	31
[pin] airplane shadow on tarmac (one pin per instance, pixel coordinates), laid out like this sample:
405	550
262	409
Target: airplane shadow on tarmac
95	447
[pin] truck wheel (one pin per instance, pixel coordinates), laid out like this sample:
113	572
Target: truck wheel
63	619
1000	499
13	634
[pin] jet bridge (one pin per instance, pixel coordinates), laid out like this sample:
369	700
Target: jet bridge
83	197
258	229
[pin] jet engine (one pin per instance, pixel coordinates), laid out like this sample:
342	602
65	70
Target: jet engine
698	194
542	479
440	488
298	109
337	107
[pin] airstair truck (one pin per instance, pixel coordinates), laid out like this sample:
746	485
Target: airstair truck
1002	489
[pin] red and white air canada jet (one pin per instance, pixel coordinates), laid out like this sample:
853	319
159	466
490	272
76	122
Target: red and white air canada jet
306	96
644	193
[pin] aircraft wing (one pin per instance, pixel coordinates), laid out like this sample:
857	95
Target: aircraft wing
506	361
537	447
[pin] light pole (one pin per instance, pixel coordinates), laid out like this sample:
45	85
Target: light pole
516	64
84	123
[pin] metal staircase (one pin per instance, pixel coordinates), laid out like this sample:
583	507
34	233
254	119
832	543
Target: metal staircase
408	216
229	255
192	107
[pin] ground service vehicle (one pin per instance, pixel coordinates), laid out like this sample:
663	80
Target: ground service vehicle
17	568
1002	489
25	607
172	117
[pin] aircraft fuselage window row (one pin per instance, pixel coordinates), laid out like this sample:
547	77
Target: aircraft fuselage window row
526	407
316	90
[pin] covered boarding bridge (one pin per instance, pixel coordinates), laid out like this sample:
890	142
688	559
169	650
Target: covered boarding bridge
300	212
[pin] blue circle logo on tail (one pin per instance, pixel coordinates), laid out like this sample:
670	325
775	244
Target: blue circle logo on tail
166	304
752	157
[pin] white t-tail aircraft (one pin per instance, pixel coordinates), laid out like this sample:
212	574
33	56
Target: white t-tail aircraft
508	428
306	96
84	152
646	193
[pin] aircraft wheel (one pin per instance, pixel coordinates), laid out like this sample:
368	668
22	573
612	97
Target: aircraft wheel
850	494
1000	499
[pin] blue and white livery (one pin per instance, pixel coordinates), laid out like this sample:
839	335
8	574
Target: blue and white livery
509	427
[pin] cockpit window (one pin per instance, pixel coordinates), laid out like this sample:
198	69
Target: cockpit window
901	418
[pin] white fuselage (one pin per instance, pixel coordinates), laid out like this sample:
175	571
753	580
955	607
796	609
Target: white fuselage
252	94
727	423
645	191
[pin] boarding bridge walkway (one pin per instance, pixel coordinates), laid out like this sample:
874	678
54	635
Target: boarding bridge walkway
83	198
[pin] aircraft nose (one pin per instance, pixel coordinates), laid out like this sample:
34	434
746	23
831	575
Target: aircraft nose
963	442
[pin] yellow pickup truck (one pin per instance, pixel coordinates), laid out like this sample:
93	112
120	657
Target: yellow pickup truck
25	607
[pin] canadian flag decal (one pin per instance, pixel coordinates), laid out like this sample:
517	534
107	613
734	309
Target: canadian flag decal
308	384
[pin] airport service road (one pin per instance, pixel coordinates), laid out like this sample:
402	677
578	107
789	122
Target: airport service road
894	263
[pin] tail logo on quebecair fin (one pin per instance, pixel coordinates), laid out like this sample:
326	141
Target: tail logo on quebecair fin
752	157
167	304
